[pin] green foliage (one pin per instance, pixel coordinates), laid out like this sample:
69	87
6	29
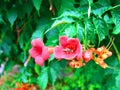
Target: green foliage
37	4
24	20
52	74
43	79
12	15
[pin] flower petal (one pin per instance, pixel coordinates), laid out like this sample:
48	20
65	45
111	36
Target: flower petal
39	60
79	52
63	40
37	42
33	52
45	54
69	56
73	41
58	52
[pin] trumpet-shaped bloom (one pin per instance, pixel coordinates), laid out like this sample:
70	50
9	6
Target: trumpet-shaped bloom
69	48
39	52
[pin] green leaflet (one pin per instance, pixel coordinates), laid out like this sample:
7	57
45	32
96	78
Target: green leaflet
39	31
37	69
100	7
116	20
42	79
37	5
52	75
64	20
70	31
12	16
118	81
66	5
90	31
101	28
1	19
61	23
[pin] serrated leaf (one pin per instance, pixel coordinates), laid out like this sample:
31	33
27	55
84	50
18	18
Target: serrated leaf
60	24
43	79
62	21
116	29
12	16
116	20
69	31
52	75
99	10
101	28
73	14
90	31
37	5
80	31
101	7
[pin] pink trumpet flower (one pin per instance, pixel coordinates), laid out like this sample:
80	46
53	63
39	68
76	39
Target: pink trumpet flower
69	49
39	52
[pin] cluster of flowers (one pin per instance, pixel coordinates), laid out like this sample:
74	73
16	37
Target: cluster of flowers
69	49
24	86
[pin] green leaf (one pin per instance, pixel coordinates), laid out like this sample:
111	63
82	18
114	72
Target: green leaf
51	57
1	19
64	20
39	32
80	32
56	66
24	78
101	28
101	7
60	24
118	81
52	75
12	16
90	31
28	8
69	31
6	45
116	20
66	5
37	5
116	29
52	41
73	14
9	64
37	69
43	79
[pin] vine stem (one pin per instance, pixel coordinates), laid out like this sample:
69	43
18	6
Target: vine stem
111	8
18	30
76	25
114	7
28	59
116	50
85	37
